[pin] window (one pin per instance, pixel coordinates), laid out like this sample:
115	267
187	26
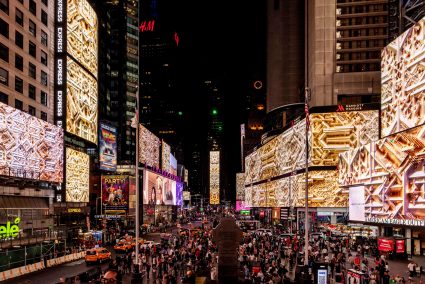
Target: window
43	116
19	85
32	49
44	58
32	28
43	38
43	98
4	28
19	104
31	91
32	70
19	62
44	78
19	17
44	17
4	6
4	52
31	110
33	7
4	76
19	39
4	98
44	2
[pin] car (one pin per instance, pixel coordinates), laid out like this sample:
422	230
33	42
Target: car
123	245
95	255
264	232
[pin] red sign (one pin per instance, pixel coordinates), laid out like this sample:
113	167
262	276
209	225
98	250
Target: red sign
385	245
147	26
399	246
262	214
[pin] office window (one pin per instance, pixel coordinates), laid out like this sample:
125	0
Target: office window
19	39
31	110
32	28
19	104
32	49
32	71
33	7
4	98
43	98
44	2
19	85
19	62
31	91
4	76
44	58
4	28
4	52
44	78
43	116
44	17
4	6
19	17
43	38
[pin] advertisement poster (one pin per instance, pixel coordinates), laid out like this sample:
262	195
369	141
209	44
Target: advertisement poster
159	190
179	193
173	165
115	192
322	276
385	245
108	147
399	246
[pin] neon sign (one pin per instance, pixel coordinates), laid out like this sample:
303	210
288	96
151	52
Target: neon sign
176	38
147	26
10	231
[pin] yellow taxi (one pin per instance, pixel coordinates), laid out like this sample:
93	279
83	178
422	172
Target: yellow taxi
133	242
124	245
97	255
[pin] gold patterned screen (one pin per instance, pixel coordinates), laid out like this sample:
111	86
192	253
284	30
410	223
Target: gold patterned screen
240	186
77	176
81	102
82	43
29	147
214	177
148	147
392	171
403	81
165	156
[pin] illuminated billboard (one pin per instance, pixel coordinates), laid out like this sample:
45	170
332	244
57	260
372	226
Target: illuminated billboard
148	147
115	193
179	193
186	176
391	171
159	190
107	147
29	147
173	165
214	177
77	176
186	195
240	186
403	81
82	42
165	157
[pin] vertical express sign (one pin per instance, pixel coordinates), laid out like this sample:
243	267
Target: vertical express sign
60	62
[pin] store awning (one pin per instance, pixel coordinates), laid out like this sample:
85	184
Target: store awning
20	202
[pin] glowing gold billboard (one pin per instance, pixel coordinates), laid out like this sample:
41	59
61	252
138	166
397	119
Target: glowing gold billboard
403	81
240	186
214	177
29	147
148	147
77	176
81	103
82	42
165	157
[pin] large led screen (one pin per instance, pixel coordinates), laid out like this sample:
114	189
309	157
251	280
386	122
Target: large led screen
173	165
165	157
77	176
179	193
81	102
403	81
392	173
214	177
108	147
82	40
148	147
240	186
356	203
159	190
29	147
115	193
186	176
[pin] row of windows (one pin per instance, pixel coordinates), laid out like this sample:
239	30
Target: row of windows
361	67
19	83
363	9
362	32
361	44
20	105
358	55
19	16
362	21
19	64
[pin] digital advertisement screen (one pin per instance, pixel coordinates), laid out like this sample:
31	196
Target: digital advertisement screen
81	102
148	147
77	176
240	205
356	203
240	186
159	190
108	147
179	193
186	176
403	81
29	147
394	163
173	165
214	177
82	42
115	193
186	195
165	157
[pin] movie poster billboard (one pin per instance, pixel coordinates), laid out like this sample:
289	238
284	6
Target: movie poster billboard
159	190
115	193
108	147
173	165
